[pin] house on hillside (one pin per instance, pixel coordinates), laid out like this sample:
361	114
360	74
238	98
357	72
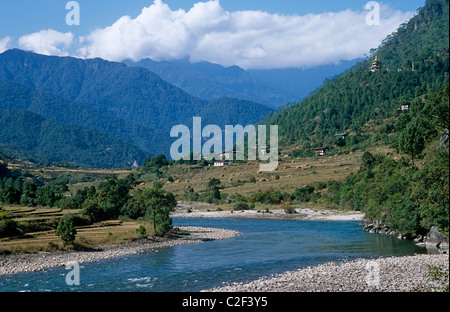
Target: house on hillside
404	107
226	155
230	155
321	151
220	163
341	135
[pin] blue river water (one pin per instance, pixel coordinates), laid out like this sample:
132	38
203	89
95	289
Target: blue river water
265	247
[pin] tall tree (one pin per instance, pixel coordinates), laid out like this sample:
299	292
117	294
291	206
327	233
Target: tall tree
159	204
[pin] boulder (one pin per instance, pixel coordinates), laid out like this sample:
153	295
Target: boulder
436	239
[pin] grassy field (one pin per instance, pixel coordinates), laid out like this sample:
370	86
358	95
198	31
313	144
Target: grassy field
290	174
46	219
70	174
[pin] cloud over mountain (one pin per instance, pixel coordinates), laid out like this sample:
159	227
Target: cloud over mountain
4	43
250	39
47	42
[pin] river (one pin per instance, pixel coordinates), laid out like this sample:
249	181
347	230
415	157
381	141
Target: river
265	247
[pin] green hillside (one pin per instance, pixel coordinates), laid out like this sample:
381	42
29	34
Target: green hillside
28	134
18	96
349	102
403	105
131	104
134	94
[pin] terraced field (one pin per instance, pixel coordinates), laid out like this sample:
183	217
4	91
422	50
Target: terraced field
38	224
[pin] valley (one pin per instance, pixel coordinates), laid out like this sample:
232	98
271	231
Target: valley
89	163
237	178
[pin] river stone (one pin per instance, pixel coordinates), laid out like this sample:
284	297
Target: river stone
437	239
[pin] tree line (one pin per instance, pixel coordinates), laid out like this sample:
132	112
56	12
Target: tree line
111	199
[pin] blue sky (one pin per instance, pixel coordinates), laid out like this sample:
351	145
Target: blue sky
20	17
24	17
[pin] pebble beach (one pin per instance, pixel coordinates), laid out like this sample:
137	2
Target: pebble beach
393	274
20	263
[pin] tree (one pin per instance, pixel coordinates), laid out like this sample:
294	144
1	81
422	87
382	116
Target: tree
59	187
135	208
45	196
29	194
113	194
213	185
66	231
412	139
367	159
4	171
10	195
92	210
159	204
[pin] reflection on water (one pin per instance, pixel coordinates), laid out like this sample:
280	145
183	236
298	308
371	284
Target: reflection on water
265	247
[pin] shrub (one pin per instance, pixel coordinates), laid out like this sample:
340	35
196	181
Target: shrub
66	231
141	231
304	194
92	210
240	206
288	209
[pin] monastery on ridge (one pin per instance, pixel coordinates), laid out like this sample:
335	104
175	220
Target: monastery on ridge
376	65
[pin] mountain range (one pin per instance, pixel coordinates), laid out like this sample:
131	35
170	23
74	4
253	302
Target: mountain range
135	103
272	87
131	107
131	104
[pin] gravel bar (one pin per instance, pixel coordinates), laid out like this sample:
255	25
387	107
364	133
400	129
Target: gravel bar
390	274
20	263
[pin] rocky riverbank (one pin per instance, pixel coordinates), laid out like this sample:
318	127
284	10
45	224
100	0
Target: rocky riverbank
200	210
434	240
394	274
12	264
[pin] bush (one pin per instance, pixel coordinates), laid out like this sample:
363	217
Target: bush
288	209
304	194
66	231
92	210
141	231
240	206
8	228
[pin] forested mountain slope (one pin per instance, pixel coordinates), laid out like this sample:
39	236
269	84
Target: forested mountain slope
132	105
211	81
403	105
347	103
134	94
18	96
24	133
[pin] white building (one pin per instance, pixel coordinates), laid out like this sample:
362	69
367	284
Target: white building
220	163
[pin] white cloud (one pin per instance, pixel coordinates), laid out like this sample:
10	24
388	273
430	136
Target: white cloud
250	39
47	42
207	32
4	44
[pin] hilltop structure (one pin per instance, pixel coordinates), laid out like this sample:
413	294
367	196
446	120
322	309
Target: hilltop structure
376	65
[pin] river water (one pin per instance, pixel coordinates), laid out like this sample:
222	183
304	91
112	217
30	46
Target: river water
265	247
